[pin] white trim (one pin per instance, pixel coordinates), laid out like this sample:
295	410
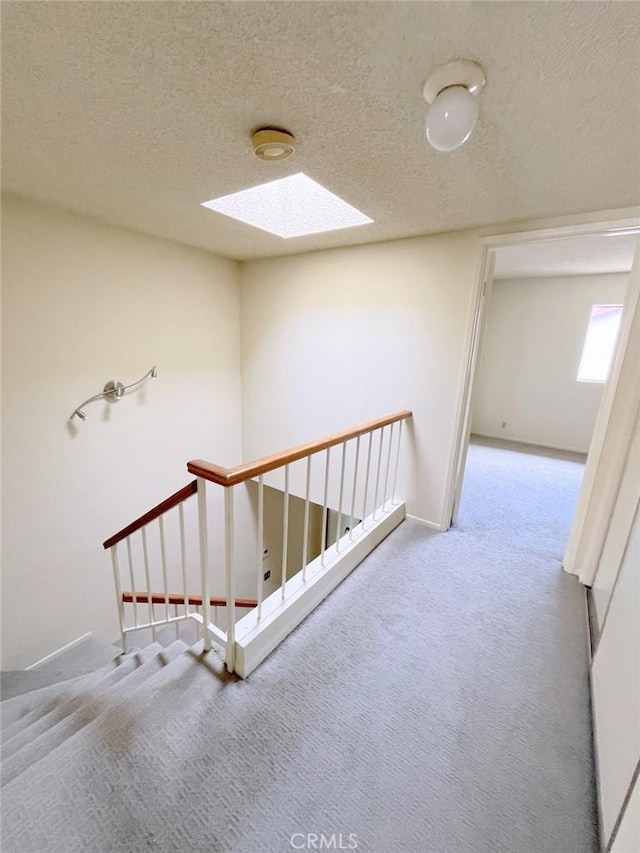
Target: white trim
255	640
59	651
218	636
594	728
541	230
431	524
473	349
531	443
610	445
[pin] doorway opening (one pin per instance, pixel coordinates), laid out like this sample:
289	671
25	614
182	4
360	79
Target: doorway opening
548	314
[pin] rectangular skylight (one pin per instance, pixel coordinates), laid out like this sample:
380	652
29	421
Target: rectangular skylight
289	207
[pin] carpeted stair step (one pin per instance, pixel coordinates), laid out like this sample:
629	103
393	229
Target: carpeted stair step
57	708
180	734
128	755
21	682
33	751
16	707
82	659
26	709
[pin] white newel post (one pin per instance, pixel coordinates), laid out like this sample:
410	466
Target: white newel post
204	562
230	580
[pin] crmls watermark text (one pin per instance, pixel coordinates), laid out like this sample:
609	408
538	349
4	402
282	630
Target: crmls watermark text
322	841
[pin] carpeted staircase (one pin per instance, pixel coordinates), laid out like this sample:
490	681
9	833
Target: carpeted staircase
60	720
46	724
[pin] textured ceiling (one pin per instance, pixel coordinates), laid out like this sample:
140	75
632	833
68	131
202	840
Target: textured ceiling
591	255
137	112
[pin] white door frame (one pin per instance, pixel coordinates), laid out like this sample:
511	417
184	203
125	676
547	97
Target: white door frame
611	442
609	222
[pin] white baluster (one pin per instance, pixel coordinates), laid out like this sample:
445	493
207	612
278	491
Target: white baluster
183	559
305	530
133	584
366	480
285	531
341	493
260	544
204	561
116	578
147	575
323	543
163	555
355	486
177	623
386	475
397	462
375	494
230	579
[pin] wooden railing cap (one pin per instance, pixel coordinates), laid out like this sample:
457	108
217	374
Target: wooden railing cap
227	477
158	510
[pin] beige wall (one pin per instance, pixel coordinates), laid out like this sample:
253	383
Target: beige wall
626	840
331	339
616	688
626	505
532	347
84	303
273	536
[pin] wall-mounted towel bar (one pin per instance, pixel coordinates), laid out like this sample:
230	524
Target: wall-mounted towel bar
113	391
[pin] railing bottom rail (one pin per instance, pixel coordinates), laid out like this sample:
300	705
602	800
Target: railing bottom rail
178	599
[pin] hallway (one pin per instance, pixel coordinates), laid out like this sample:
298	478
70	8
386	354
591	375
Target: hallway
436	702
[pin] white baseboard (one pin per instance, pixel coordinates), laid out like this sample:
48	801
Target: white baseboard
256	640
529	443
430	524
59	651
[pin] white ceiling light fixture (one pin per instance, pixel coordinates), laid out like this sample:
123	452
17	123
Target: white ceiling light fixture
452	94
294	206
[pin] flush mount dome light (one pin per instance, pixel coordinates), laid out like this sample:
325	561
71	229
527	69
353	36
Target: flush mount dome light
271	143
452	94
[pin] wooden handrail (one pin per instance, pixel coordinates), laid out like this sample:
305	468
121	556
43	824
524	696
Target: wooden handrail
232	476
176	598
175	499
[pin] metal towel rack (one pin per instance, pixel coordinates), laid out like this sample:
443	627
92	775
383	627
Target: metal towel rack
113	390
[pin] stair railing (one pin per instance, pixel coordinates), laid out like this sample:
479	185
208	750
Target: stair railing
370	496
140	533
374	502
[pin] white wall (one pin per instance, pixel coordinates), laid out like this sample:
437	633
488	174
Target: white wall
84	303
332	339
616	689
628	836
624	511
615	597
532	346
273	536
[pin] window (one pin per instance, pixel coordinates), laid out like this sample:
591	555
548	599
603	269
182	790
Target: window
599	343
